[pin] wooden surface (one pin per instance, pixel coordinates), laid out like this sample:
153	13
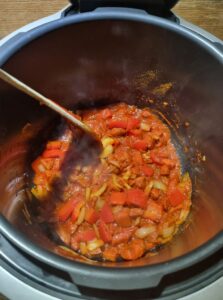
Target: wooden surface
207	14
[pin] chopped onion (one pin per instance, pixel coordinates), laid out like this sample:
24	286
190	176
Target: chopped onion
87	194
116	209
83	248
144	231
127	186
96	230
41	168
92	245
145	126
107	141
107	151
168	231
68	250
99	204
81	216
114	163
100	191
159	185
126	175
148	188
137	221
115	182
183	215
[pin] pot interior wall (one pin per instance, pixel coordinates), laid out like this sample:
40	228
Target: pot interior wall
102	62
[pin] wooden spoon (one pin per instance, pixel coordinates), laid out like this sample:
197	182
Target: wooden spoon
43	100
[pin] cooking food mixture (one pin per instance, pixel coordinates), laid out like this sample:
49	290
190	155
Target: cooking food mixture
126	203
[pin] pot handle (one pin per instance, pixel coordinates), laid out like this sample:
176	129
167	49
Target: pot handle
117	280
157	7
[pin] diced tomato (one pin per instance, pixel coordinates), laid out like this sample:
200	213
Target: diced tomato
123	236
138	160
53	145
76	210
133	250
122	218
110	253
154	211
161	160
136	197
149	140
104	232
106	113
91	215
118	198
148	171
87	235
164	170
176	197
54	153
117	124
133	124
139	145
65	210
106	214
155	158
135	132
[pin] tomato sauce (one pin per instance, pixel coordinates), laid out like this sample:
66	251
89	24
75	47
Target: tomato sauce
128	202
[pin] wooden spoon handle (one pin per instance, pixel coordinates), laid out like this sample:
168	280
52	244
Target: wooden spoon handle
43	100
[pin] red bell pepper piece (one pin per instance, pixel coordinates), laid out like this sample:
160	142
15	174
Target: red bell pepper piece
91	215
122	218
65	210
87	235
133	123
148	171
154	211
176	197
123	236
53	145
53	153
104	232
76	210
118	198
139	145
106	214
135	132
117	124
136	197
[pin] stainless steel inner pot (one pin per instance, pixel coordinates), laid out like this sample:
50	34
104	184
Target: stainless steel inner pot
103	57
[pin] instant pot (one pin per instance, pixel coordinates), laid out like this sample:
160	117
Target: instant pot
97	52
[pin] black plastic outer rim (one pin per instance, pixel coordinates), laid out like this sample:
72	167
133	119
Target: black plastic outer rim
101	273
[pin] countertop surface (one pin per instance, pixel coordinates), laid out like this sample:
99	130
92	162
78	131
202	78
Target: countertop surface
208	14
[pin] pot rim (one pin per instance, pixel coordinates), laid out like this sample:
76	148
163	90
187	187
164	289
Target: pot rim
77	268
123	14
